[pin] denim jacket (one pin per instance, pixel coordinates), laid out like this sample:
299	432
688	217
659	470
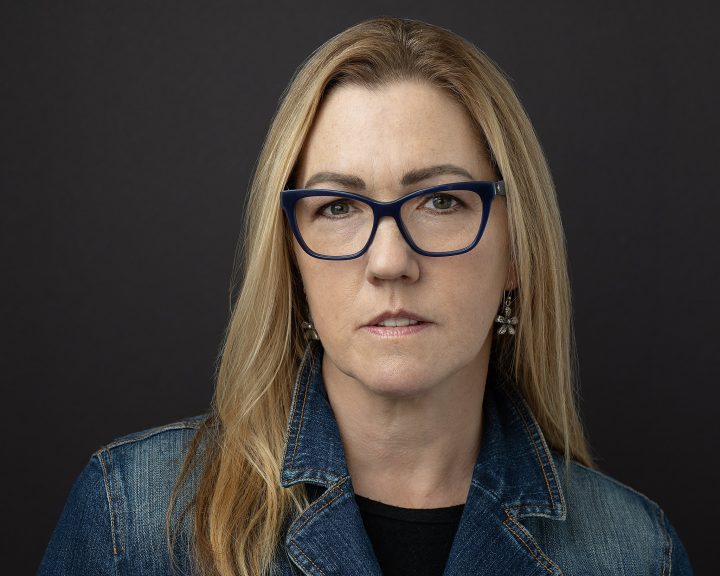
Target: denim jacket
523	515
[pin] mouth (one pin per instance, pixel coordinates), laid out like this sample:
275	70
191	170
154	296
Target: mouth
398	317
394	323
398	322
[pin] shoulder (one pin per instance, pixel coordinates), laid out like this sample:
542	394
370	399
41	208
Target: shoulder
140	469
588	488
609	528
162	444
115	513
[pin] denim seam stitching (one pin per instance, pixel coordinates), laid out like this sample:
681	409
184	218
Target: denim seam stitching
540	561
313	515
302	413
313	469
185	425
316	512
321	481
299	427
108	495
292	541
519	412
291	418
667	551
119	500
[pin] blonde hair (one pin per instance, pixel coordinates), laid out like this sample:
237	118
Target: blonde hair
239	509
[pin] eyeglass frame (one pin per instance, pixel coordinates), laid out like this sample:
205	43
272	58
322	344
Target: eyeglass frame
487	190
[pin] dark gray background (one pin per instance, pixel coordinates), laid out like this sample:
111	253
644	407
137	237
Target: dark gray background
129	132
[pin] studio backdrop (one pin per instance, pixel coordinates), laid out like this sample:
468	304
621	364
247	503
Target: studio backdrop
129	131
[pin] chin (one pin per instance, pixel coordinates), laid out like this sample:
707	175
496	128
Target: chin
392	372
398	383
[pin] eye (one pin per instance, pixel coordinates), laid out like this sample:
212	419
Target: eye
337	208
441	202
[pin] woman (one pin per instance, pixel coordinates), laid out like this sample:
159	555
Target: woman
396	389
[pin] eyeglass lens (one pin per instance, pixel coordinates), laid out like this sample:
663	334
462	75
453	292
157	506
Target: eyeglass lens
436	222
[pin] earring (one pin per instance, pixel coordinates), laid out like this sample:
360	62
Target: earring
506	320
310	332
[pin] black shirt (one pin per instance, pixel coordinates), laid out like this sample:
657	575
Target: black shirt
409	540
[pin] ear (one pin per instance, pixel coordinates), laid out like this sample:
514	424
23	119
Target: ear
511	282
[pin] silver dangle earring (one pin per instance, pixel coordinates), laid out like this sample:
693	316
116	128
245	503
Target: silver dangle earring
309	330
506	320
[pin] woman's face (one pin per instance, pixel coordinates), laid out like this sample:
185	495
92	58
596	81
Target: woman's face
371	141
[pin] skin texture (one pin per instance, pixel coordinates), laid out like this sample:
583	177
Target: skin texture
408	405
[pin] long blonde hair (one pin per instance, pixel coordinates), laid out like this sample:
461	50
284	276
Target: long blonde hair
239	509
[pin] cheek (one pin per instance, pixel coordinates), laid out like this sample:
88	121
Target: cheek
329	289
473	284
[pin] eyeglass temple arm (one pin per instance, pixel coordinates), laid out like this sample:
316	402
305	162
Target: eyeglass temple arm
500	188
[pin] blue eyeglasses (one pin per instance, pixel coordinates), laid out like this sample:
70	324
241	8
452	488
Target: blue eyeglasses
439	221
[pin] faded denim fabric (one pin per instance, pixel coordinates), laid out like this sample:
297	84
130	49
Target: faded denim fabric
523	515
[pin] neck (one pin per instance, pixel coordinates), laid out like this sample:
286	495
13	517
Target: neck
414	452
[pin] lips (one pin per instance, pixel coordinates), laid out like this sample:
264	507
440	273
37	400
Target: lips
395	318
394	322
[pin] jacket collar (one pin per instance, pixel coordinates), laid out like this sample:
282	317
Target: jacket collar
514	477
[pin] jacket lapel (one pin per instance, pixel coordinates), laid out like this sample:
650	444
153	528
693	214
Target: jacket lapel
514	477
329	536
491	542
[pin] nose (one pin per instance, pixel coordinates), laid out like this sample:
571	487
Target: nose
390	257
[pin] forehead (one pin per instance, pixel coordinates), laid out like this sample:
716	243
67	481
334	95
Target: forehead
380	133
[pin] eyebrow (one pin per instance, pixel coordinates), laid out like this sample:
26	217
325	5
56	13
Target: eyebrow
412	177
